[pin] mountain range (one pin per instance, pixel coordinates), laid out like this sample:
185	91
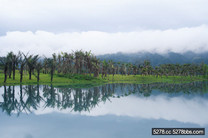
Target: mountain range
157	58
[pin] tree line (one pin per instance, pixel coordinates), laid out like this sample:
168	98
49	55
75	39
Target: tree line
84	62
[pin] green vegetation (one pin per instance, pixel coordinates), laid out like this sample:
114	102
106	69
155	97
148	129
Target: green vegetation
84	68
76	79
46	79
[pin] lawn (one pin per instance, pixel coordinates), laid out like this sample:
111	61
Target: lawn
60	79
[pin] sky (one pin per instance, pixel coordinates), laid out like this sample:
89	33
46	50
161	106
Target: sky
103	26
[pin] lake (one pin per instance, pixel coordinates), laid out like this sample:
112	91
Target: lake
107	111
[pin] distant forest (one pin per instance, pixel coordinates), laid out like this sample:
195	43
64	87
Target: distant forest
157	59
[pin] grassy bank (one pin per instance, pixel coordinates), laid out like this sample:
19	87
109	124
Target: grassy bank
88	80
152	79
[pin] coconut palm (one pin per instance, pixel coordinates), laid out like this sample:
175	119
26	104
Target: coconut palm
95	66
135	69
9	61
38	67
52	66
45	66
123	69
59	63
105	66
15	60
88	62
4	63
22	62
31	63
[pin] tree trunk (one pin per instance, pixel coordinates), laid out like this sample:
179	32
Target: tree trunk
38	77
30	74
77	70
5	73
21	73
96	73
51	75
13	68
21	76
10	74
5	78
14	74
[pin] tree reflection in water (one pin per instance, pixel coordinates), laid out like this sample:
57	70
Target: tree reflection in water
17	99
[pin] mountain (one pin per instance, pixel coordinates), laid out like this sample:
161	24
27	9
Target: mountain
156	58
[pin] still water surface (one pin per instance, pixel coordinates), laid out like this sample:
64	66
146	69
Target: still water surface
108	111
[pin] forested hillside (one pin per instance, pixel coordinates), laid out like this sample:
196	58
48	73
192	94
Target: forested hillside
157	59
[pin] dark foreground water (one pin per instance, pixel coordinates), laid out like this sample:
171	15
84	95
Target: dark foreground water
108	111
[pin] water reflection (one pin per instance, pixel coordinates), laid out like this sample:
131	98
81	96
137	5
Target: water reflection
17	99
114	107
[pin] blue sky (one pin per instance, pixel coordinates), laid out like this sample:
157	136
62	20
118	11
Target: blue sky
103	26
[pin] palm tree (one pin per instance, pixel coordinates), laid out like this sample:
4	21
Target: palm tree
59	63
147	68
38	67
95	66
88	62
15	60
69	62
4	62
129	67
110	69
9	61
52	66
22	62
117	68
79	61
123	69
45	70
105	66
31	63
205	70
135	69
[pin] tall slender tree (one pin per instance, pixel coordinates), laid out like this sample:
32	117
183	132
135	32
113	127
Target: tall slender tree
9	61
15	60
38	67
4	62
22	62
31	63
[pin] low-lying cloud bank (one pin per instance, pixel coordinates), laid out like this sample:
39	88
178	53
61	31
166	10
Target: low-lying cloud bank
46	43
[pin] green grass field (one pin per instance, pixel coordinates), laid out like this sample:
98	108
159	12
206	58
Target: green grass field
88	80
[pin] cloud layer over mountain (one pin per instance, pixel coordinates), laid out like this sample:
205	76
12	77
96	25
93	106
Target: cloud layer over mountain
42	42
103	26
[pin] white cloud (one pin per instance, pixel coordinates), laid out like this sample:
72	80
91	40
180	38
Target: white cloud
46	43
100	15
